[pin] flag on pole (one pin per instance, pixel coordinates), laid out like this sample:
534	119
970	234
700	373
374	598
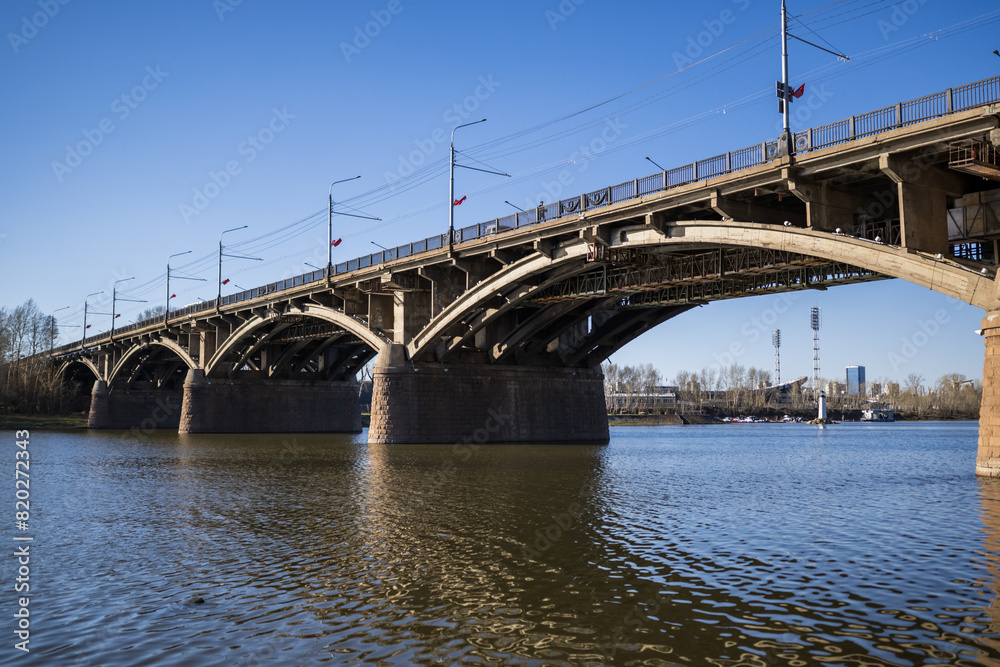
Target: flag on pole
226	281
459	201
336	243
173	296
118	315
797	93
89	325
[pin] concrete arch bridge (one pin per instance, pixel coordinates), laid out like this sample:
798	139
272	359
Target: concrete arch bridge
497	334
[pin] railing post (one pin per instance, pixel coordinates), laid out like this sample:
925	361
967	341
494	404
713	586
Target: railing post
949	102
728	162
694	170
583	203
852	127
809	136
899	114
663	182
763	152
635	189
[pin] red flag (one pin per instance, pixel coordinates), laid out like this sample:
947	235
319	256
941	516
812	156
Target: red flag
89	325
118	315
459	201
226	281
172	296
797	93
336	243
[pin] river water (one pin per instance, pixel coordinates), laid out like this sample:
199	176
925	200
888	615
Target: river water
783	544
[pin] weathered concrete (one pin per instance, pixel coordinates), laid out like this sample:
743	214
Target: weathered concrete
144	409
479	403
268	406
988	456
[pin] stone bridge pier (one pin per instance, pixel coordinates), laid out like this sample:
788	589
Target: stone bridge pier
444	403
220	405
988	456
139	409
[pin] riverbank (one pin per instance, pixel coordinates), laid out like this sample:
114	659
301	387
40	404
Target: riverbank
16	422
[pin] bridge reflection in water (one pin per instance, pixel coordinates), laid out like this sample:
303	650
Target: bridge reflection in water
514	316
771	545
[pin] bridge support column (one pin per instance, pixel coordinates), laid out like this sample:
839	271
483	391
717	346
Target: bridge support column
479	403
268	406
988	456
140	409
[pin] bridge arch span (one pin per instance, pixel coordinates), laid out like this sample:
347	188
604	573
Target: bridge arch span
242	343
132	360
599	327
945	276
67	365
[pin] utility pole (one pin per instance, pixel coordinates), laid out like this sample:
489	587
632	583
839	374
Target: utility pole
84	339
52	327
115	299
218	298
329	227
786	142
166	312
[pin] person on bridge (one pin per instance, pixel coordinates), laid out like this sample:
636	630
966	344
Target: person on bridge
541	211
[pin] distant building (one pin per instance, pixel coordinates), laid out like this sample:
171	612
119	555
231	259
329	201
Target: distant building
855	379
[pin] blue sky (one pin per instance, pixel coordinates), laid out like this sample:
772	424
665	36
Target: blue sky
139	130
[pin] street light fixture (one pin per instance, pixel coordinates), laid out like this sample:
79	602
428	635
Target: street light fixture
52	326
218	298
85	315
517	207
451	184
329	225
166	312
114	300
379	245
451	187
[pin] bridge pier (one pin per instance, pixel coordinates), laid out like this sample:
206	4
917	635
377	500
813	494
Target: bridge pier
213	405
988	456
143	409
414	403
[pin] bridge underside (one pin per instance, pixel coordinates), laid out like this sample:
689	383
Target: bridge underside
500	337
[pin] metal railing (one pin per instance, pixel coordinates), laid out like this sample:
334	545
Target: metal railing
943	103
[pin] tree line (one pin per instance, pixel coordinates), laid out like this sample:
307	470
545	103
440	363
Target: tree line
739	390
28	382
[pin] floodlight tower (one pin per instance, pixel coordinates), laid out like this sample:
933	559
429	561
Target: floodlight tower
814	321
776	340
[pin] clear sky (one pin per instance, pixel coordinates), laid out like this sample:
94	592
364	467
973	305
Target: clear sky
135	130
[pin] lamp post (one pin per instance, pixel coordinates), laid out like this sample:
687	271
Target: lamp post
85	316
329	225
451	187
166	312
114	300
52	326
218	298
517	207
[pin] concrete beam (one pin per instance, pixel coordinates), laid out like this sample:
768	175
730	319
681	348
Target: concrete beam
745	211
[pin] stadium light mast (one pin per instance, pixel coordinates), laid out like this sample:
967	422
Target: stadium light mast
814	322
776	340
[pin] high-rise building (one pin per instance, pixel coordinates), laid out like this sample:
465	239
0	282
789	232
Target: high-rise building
855	379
